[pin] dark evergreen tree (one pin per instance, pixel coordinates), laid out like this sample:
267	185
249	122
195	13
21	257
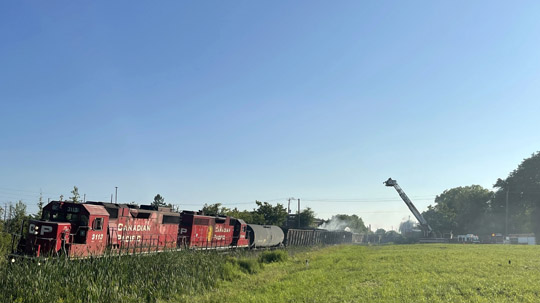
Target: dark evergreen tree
159	201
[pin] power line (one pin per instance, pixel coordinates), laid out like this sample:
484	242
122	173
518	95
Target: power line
26	191
202	203
367	212
322	200
366	199
363	201
380	212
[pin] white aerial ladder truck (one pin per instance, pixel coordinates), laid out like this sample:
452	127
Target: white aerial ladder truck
428	231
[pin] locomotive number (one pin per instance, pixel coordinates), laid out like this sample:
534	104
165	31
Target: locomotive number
73	209
97	237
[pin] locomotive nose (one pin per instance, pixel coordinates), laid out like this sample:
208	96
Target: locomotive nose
45	237
40	228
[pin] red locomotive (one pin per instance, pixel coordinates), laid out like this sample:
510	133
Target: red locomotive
80	230
95	228
199	231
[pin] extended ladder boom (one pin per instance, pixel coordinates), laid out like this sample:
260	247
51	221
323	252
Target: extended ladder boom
416	213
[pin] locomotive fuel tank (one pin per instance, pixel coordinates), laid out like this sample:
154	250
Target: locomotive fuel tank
265	235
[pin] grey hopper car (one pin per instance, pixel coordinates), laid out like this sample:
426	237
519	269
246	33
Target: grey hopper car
307	237
265	235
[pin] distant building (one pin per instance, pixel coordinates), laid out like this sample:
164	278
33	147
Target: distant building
525	239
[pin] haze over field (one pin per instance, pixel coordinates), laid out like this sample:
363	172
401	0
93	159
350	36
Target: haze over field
233	102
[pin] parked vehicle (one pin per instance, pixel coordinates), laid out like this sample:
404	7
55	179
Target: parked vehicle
468	238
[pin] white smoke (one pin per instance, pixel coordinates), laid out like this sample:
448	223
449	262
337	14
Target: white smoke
335	224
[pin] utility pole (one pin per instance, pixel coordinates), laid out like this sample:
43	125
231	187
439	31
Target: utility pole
298	215
289	206
506	224
5	215
116	194
288	222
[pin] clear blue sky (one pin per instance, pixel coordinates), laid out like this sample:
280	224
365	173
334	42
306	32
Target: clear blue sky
233	101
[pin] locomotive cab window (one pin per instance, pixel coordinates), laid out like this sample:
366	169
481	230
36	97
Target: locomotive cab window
84	220
98	224
72	217
58	216
45	215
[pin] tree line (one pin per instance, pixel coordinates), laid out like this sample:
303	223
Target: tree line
264	214
12	219
512	207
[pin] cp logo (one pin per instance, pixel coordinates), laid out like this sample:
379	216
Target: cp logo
44	229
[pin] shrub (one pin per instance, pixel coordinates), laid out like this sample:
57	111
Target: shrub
250	266
5	246
230	271
273	256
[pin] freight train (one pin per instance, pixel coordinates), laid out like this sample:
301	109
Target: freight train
81	230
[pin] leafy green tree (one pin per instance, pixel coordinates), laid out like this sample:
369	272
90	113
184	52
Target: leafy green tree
40	206
245	215
76	198
2	223
17	217
215	209
268	214
306	218
391	236
5	238
522	187
264	214
441	219
460	210
380	231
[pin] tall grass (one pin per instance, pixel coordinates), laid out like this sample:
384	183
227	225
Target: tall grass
148	278
273	256
111	279
5	246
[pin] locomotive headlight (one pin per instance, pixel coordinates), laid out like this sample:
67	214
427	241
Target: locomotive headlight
13	260
35	233
36	228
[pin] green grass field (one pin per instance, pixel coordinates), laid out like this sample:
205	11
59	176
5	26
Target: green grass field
389	273
393	273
